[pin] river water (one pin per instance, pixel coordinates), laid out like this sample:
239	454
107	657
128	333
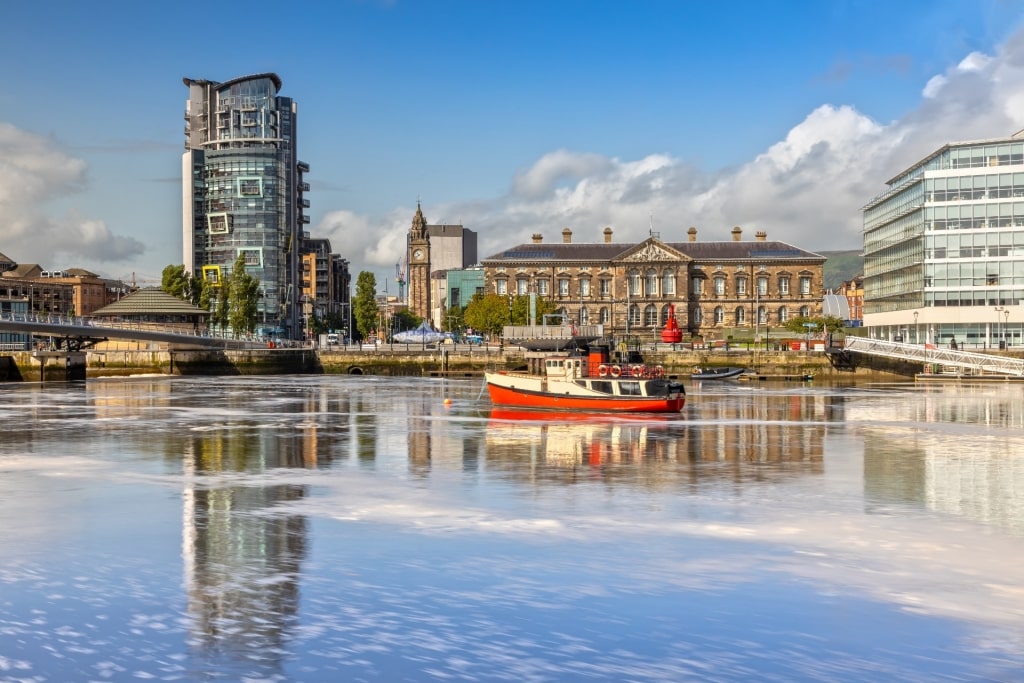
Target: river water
335	528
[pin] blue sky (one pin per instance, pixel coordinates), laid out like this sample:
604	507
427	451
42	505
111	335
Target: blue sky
512	118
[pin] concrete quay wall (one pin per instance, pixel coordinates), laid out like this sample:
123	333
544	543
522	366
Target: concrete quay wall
24	366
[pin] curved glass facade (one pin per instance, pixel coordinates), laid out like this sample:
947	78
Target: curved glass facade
245	195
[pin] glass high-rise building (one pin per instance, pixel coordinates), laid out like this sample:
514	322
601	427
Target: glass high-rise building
243	191
944	248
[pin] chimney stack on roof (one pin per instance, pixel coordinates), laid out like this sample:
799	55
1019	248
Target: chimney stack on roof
537	238
607	235
761	235
692	232
737	233
567	236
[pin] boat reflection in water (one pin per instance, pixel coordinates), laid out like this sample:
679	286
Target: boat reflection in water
523	443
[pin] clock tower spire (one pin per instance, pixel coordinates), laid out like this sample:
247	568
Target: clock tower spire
419	265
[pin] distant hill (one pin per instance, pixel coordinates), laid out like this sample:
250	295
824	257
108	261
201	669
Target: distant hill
842	266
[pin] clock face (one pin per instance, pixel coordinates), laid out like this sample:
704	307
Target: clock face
417	254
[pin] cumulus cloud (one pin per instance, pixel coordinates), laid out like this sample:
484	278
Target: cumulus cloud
807	189
36	173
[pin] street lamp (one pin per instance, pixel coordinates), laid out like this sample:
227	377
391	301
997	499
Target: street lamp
917	338
1006	322
809	326
1005	310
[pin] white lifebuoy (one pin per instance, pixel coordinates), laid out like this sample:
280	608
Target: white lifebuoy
616	371
637	371
602	370
658	371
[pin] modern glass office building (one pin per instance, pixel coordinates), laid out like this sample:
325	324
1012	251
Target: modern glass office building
243	191
944	248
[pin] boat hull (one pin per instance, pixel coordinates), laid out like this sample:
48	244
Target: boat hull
726	373
524	392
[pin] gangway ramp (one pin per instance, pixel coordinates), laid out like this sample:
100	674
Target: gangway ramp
967	361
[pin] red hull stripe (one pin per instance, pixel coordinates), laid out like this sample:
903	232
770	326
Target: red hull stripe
624	404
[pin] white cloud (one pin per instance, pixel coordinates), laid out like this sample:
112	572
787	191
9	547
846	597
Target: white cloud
34	174
807	189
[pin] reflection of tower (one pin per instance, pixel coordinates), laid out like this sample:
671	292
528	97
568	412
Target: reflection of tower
419	266
241	562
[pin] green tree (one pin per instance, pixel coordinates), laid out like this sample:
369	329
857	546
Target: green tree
487	313
176	282
454	319
243	298
829	324
221	310
521	310
405	320
364	305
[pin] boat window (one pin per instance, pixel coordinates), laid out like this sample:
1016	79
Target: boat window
630	389
604	386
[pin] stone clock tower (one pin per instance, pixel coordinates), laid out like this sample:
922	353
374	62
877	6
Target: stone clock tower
419	266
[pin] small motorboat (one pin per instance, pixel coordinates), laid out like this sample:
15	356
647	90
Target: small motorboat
716	373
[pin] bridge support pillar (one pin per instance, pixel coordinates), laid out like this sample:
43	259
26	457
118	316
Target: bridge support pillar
61	366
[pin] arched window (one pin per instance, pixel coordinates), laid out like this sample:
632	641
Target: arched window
651	288
762	315
584	317
783	314
668	283
697	316
664	315
741	315
634	315
635	283
604	316
719	315
650	315
805	311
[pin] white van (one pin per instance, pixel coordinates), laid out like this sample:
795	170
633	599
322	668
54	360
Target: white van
332	338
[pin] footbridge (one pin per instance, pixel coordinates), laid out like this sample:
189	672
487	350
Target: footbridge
966	362
74	333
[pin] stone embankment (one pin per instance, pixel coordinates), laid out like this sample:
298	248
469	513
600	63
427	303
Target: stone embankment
409	361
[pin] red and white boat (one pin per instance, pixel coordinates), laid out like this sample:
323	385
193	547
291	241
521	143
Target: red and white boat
590	383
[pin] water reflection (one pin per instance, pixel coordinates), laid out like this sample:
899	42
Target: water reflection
340	529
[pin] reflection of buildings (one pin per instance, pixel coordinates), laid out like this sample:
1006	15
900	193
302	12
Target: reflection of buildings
976	474
242	557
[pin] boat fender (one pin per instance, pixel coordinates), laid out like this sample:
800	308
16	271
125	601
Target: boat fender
696	370
637	370
616	371
602	370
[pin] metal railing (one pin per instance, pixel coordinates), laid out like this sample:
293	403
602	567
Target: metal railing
973	363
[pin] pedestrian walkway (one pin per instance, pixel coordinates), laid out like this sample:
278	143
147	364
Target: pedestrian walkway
966	361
